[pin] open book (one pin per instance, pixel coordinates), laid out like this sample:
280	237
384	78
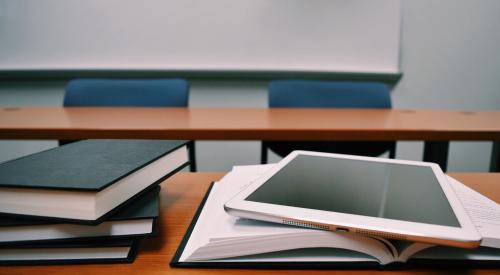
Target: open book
220	238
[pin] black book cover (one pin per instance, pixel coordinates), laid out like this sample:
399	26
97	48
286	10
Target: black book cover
89	165
412	263
132	244
144	207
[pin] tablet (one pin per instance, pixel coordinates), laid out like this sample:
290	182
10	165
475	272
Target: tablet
396	199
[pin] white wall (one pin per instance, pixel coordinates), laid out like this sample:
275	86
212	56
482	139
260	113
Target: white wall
450	60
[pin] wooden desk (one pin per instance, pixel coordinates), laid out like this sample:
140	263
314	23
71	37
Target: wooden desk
180	197
435	127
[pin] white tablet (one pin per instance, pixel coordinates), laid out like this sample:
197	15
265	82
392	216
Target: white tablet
397	199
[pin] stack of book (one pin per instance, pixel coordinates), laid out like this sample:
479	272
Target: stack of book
217	239
85	202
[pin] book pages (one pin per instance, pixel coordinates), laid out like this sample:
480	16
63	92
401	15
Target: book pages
219	235
485	213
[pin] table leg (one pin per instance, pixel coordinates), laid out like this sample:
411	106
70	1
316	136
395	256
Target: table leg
495	157
437	151
192	156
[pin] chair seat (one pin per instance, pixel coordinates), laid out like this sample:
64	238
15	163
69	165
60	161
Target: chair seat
290	93
162	92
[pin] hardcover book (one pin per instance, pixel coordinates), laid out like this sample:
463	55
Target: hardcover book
111	251
86	181
138	219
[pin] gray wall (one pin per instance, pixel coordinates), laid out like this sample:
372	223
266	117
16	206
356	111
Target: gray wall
450	60
362	35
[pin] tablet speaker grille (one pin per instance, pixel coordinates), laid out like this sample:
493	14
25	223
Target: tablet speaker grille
306	224
381	234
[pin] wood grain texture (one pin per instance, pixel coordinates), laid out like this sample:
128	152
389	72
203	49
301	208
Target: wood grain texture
180	197
247	124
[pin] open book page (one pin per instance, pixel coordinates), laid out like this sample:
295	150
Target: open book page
218	235
213	216
316	239
485	213
408	249
452	253
306	255
403	250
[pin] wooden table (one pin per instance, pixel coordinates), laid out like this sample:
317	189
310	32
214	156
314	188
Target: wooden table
435	127
180	197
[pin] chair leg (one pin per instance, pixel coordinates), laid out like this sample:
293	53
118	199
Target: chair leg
192	156
66	141
495	157
392	152
263	153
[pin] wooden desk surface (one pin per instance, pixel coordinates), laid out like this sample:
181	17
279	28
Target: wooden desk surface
247	124
180	197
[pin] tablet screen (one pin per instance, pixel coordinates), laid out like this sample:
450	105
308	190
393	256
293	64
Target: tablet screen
388	190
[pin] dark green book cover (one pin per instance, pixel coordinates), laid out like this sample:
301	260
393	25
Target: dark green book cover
15	255
118	170
89	165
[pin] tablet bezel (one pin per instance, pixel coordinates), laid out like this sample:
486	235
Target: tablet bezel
463	236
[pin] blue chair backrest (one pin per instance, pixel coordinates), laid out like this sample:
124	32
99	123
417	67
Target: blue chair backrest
127	92
328	94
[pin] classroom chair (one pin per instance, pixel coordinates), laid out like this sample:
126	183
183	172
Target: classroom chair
129	93
328	94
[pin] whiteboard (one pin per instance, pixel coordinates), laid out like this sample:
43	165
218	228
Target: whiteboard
201	35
